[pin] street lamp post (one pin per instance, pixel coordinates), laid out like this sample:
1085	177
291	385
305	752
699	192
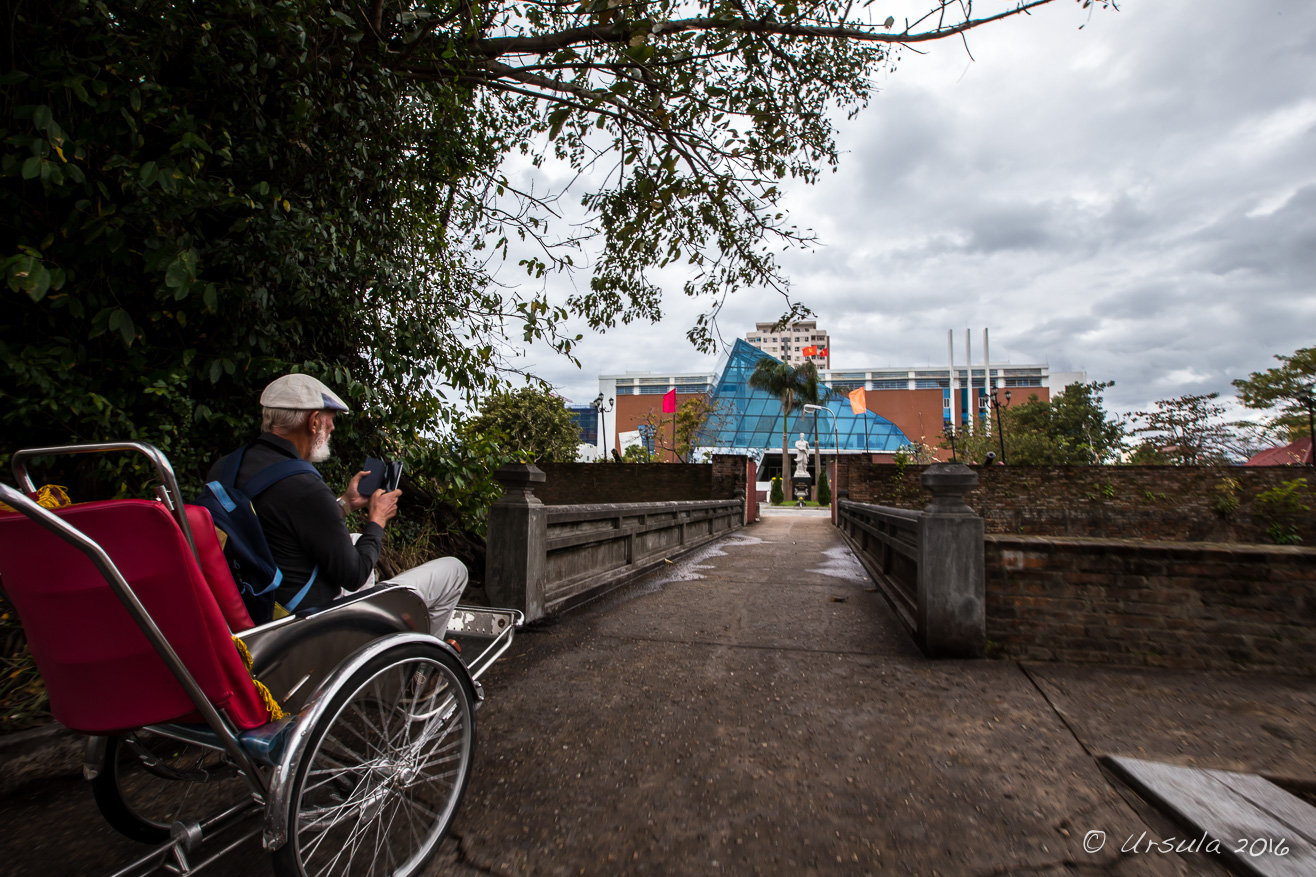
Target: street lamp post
1000	428
598	406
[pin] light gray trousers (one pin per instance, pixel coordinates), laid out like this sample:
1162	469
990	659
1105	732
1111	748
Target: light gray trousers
439	583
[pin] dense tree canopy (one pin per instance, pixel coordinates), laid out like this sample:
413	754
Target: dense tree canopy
531	425
1288	392
197	197
1071	429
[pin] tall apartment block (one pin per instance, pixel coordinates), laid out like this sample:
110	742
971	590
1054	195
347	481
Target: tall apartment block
793	344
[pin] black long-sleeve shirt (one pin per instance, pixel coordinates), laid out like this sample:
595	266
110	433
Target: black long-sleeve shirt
305	528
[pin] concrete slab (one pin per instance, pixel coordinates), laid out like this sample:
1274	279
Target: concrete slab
1249	722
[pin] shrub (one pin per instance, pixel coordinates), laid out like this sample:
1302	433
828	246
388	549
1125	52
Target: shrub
776	497
1281	506
824	489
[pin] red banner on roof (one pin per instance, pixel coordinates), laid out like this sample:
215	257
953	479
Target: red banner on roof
669	402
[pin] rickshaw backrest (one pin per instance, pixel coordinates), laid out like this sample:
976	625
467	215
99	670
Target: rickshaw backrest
101	672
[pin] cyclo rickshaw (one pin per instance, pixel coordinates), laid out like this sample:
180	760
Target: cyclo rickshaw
343	736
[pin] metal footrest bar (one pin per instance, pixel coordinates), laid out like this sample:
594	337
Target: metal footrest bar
187	837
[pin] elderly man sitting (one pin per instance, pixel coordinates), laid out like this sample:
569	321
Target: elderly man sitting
303	520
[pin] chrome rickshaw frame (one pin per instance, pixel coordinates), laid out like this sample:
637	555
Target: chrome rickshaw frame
341	641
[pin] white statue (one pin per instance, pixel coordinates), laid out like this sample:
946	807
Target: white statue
801	458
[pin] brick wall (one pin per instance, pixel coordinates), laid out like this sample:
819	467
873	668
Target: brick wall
572	483
1150	502
1197	606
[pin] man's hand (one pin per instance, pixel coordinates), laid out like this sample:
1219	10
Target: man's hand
351	497
384	506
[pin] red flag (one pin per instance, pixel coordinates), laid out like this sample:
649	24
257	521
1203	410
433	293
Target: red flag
822	351
669	402
810	351
858	401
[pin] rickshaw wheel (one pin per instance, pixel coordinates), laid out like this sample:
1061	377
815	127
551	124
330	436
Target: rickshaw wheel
385	768
148	781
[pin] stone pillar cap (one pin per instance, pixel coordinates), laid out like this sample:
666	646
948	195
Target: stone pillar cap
519	475
948	482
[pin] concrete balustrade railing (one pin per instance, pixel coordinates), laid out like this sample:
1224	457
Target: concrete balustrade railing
545	559
928	564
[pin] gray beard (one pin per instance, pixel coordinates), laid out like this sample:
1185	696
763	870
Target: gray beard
321	452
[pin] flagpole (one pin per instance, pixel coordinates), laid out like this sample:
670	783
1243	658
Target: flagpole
675	456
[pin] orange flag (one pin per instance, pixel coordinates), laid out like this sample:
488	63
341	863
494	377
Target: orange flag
858	401
809	351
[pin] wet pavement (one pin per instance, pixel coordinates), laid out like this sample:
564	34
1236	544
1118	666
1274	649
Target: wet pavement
755	709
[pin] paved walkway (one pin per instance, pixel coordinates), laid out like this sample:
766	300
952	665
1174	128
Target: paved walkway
757	710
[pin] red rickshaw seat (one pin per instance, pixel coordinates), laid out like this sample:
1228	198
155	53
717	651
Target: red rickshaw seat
102	674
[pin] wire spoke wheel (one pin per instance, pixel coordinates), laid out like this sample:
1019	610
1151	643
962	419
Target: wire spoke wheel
148	781
385	769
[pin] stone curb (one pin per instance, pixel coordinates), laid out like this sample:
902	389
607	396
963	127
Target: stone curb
39	753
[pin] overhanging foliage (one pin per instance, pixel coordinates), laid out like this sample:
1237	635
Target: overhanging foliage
198	197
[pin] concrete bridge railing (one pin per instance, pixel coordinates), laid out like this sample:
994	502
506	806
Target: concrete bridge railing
543	559
928	564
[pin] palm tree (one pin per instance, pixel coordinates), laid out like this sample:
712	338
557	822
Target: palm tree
791	384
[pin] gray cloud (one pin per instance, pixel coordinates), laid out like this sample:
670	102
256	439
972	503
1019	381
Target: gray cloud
1136	198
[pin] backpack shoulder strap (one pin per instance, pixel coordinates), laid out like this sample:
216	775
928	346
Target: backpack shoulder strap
228	470
271	475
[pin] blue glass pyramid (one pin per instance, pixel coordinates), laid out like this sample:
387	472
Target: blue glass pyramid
746	419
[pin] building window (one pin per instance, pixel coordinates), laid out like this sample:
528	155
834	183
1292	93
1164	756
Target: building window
890	385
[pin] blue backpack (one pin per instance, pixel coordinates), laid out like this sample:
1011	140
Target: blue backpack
247	552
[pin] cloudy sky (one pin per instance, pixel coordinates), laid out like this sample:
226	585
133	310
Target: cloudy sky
1135	197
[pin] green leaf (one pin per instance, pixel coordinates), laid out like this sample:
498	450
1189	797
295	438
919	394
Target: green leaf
32	168
41	117
28	274
556	119
182	271
147	173
120	320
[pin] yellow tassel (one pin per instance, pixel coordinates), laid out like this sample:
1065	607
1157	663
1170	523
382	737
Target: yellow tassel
49	496
271	705
242	650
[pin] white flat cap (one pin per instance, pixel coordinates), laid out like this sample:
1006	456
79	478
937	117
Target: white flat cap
301	393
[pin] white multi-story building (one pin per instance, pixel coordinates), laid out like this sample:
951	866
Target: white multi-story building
789	344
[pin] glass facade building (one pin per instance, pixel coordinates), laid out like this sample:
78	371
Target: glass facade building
748	419
586	418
